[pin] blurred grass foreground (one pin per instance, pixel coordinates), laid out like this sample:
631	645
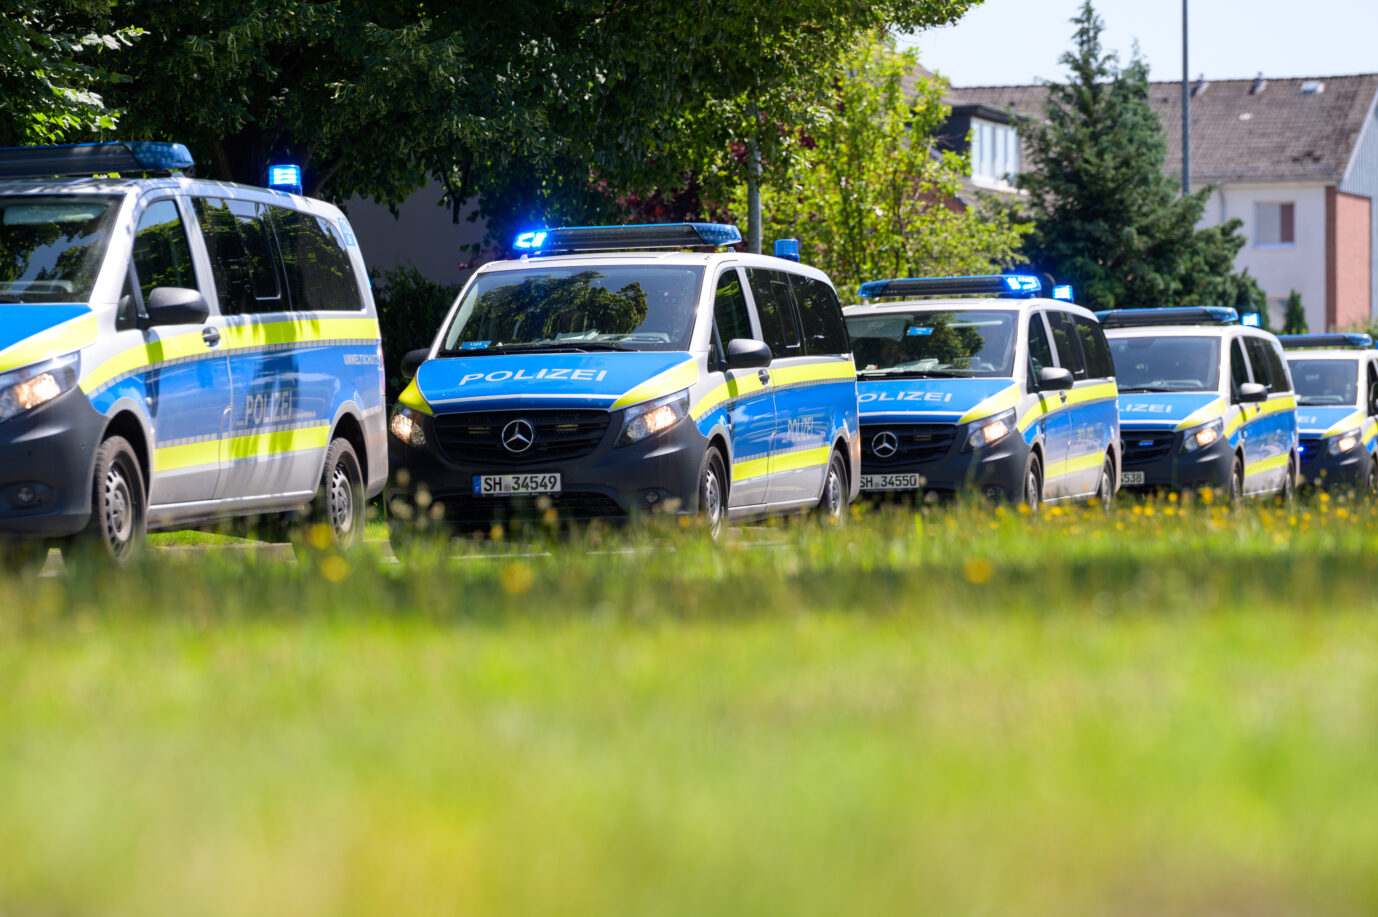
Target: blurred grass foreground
1171	710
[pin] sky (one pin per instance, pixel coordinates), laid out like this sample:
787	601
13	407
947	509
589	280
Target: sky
1005	42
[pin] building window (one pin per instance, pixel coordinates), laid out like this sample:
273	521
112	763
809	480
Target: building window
1274	224
994	151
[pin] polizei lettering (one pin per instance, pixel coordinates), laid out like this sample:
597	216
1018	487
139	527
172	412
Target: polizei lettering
927	397
521	375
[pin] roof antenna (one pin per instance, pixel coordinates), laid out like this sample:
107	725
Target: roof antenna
1260	84
1199	86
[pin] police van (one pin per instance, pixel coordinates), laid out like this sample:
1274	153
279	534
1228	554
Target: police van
601	378
175	352
1336	377
988	385
1205	401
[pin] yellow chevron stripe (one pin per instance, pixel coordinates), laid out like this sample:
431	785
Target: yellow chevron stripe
1348	423
1236	420
751	468
1263	466
1370	430
745	384
1073	465
1204	414
672	380
805	458
65	338
749	383
411	396
1002	400
1051	403
251	445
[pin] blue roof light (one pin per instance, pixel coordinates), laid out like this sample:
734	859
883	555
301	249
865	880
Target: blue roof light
569	239
1173	315
1250	319
1063	291
530	241
1353	340
285	177
787	249
121	157
1015	285
1023	283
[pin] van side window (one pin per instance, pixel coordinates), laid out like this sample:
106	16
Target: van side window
1065	340
820	316
729	309
776	311
1239	368
320	277
1094	347
1372	389
161	255
1040	351
1277	366
243	258
1257	348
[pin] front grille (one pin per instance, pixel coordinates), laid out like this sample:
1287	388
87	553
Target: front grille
480	513
1147	446
559	436
1311	449
918	443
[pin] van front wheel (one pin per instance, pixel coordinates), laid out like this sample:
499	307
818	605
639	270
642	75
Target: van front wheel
118	527
336	520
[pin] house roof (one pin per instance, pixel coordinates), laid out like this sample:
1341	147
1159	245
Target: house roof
1260	129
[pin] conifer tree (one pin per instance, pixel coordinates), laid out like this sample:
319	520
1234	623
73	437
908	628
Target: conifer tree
1294	316
1107	218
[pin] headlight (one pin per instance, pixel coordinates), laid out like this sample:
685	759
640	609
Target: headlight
1198	438
406	426
1344	442
653	417
27	388
991	430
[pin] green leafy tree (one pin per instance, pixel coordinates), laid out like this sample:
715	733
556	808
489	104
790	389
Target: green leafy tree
1106	217
1293	315
871	195
53	62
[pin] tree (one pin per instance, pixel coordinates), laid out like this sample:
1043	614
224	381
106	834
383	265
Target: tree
1106	217
871	195
51	66
1294	316
544	111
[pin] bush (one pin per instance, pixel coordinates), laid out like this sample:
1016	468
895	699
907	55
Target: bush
410	309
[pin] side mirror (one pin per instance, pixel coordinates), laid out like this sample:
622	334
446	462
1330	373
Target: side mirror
1252	393
177	306
748	353
1054	379
412	360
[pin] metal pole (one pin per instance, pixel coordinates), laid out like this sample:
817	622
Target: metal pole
1186	109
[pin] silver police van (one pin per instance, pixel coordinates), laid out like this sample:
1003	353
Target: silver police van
175	352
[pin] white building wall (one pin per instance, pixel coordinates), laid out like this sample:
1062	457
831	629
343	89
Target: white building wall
423	234
1280	269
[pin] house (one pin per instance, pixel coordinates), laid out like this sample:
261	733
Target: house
1295	159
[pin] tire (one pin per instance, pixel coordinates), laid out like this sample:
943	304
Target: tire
713	493
1033	483
1288	494
118	528
1370	484
1105	487
832	503
336	519
1236	493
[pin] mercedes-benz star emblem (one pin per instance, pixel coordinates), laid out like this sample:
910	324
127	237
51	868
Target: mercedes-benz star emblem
885	444
518	435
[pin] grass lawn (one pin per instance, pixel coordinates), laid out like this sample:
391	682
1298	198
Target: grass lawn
969	712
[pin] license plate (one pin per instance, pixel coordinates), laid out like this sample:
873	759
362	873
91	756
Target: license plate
1130	478
890	482
501	485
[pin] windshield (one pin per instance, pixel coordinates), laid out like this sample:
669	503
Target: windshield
934	343
1325	381
620	307
1166	364
51	248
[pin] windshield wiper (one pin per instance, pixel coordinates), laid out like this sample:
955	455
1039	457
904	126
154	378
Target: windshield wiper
1149	388
918	373
552	347
1311	402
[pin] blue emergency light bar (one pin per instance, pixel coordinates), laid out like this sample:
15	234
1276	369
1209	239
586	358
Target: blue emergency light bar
1353	341
75	160
569	239
1135	318
285	177
1063	292
1013	285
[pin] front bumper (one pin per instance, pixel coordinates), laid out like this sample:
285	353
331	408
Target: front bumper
1164	464
46	457
944	468
659	474
1320	469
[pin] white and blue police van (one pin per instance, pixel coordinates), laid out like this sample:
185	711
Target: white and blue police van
981	382
174	352
1336	379
600	377
1205	402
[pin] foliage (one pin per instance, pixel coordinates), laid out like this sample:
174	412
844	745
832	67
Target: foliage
870	195
1294	316
1106	217
410	310
53	58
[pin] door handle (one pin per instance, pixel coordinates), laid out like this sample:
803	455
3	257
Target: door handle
211	336
1063	396
764	376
